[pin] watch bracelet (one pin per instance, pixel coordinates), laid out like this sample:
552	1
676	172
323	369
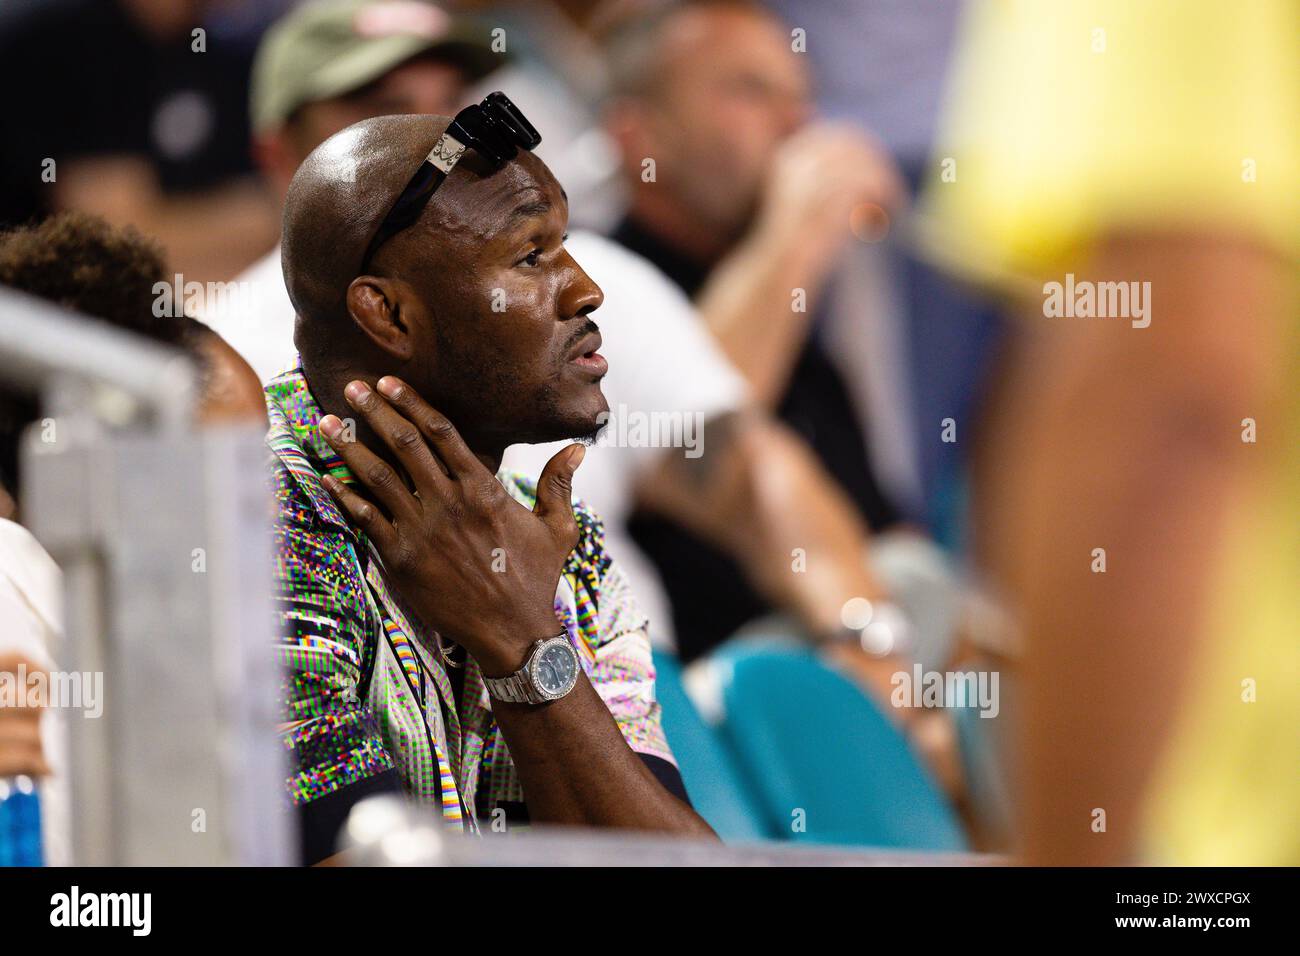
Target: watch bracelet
518	688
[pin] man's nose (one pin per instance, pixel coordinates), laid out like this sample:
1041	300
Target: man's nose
581	296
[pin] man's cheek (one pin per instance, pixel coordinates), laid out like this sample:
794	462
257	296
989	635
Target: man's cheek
522	329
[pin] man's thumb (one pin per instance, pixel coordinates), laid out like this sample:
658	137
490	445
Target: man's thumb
555	484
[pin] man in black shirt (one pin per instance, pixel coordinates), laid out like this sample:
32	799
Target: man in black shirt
746	205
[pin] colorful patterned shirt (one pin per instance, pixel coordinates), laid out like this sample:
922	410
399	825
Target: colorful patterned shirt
369	697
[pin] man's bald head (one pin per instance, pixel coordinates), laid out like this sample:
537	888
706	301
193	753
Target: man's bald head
338	198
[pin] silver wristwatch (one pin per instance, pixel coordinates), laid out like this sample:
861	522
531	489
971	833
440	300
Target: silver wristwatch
885	629
550	672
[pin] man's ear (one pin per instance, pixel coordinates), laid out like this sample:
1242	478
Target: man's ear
375	305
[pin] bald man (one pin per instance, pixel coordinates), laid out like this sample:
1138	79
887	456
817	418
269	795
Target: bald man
450	632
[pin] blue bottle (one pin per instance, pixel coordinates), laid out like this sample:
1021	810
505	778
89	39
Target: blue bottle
20	822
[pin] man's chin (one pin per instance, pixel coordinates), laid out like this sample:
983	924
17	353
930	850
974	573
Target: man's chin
585	430
586	423
581	420
589	437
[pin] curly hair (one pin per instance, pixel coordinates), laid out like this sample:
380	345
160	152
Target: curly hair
81	262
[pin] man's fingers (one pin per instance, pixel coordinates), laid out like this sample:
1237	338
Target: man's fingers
555	487
371	470
362	513
433	425
400	435
27	763
20	744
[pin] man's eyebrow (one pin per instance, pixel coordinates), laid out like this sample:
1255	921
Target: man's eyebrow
537	204
532	207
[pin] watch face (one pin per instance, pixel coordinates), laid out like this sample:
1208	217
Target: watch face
556	668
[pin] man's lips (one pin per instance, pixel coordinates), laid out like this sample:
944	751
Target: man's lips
586	356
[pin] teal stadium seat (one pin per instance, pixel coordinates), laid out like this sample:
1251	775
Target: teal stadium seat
818	753
708	769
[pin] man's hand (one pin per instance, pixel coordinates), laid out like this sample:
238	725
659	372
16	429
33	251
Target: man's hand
437	542
20	727
819	175
474	563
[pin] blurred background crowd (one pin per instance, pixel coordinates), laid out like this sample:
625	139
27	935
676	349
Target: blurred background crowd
822	230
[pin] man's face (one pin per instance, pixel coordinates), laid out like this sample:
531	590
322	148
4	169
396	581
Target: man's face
499	310
422	85
732	91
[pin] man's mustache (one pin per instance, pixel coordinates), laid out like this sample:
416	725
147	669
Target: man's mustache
586	329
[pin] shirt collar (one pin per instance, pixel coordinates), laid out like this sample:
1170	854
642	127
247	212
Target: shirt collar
295	438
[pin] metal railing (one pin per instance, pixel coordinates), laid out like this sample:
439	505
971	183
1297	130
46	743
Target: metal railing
390	831
161	530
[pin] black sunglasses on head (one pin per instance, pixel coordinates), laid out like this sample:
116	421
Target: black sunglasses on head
494	128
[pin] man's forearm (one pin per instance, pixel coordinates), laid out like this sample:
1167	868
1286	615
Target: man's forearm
760	495
749	304
1124	440
577	769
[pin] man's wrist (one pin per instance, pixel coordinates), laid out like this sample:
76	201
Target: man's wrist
503	662
796	250
507	649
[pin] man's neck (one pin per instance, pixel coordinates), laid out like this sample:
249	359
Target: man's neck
327	390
